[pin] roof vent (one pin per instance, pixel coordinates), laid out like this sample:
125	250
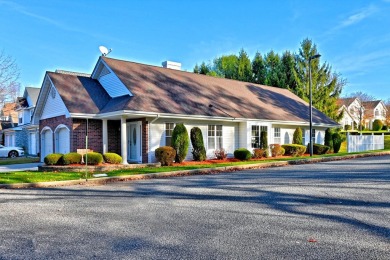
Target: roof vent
172	65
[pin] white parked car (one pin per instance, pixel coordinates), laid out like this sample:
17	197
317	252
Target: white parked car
11	151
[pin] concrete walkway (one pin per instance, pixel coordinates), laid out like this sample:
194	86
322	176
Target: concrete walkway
20	167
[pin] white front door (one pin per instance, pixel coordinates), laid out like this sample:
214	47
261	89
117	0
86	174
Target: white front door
134	142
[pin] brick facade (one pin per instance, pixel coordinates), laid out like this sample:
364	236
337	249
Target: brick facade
95	134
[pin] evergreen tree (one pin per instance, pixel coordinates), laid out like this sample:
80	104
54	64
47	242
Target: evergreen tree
287	71
196	69
204	69
297	137
244	67
258	69
326	85
272	62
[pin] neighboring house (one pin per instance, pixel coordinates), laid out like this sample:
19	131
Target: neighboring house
8	119
356	112
24	134
131	109
374	110
353	112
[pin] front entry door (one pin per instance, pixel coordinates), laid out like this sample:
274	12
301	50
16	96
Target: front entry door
134	142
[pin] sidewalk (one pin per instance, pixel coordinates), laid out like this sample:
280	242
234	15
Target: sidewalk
20	167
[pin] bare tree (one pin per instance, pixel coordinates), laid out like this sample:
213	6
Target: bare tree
9	76
362	96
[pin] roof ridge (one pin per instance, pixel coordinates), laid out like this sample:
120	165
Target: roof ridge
73	73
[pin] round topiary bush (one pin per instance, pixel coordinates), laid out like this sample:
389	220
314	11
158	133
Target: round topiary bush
242	154
180	142
377	125
53	159
199	151
113	158
165	155
93	158
71	158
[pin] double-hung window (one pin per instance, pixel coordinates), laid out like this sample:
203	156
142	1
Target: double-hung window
277	135
168	133
214	136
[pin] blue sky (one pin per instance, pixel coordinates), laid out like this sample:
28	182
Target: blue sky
352	35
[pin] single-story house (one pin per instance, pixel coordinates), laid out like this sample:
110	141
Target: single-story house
131	109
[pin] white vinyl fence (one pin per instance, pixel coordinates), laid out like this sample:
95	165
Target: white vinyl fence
360	143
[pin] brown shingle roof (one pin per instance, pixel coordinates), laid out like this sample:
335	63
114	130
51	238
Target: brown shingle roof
80	94
161	90
344	101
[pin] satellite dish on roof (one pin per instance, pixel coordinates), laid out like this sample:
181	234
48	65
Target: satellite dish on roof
104	50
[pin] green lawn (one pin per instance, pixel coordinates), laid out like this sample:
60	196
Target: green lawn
32	177
387	142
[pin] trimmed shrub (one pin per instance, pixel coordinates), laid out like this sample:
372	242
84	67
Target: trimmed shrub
53	159
93	158
242	154
198	151
328	140
347	127
276	150
263	140
320	149
297	137
71	158
337	140
180	142
260	153
165	155
294	149
384	128
377	125
220	154
113	158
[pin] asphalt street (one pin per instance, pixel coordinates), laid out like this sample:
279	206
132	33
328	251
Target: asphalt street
332	210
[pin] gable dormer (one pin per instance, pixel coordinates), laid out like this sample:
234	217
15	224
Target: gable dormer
109	80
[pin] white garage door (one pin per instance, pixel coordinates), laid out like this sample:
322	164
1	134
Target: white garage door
33	144
47	143
63	142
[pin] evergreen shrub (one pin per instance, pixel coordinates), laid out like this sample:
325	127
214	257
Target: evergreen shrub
328	140
198	151
165	155
320	149
93	158
377	125
294	149
297	137
180	142
53	159
263	140
112	158
71	158
242	154
337	140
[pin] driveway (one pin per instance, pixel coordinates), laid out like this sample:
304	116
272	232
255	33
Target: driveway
333	210
20	167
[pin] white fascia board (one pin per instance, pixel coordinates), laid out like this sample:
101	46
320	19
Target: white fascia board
41	100
82	115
